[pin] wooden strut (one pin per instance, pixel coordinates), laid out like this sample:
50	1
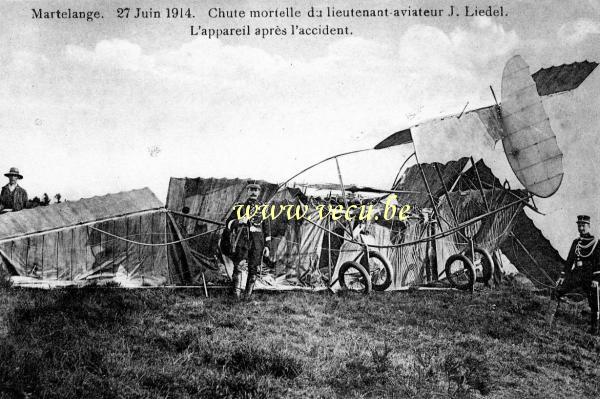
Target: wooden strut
494	95
487	207
531	257
437	213
185	215
204	284
329	186
527	204
329	246
281	185
349	228
463	110
337	164
446	194
402	166
441	234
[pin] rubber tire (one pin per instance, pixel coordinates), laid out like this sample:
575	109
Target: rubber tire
468	264
388	281
351	264
488	271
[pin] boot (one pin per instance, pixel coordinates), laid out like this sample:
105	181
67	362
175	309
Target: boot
593	324
250	286
236	285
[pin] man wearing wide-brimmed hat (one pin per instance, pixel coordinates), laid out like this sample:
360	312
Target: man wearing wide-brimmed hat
13	197
582	270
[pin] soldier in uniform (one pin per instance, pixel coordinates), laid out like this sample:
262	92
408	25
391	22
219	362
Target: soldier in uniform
582	269
249	240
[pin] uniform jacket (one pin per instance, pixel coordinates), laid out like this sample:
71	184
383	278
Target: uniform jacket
237	235
16	200
588	256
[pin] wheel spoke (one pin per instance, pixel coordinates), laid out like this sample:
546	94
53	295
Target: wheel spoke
354	280
378	271
460	273
354	277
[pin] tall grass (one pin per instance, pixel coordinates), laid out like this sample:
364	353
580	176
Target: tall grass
107	343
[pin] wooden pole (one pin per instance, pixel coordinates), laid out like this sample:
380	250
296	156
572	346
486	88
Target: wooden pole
438	216
337	164
433	249
329	245
427	186
487	207
428	259
400	170
349	229
531	257
494	94
204	284
446	194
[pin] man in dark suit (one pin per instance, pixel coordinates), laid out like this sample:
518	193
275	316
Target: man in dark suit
13	197
582	270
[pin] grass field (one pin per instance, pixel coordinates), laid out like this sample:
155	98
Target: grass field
97	342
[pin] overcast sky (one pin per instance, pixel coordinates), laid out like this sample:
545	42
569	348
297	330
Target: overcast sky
88	108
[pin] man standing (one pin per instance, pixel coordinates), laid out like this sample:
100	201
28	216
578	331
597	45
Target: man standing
249	235
13	197
582	269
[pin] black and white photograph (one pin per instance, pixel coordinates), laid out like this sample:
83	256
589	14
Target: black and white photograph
299	199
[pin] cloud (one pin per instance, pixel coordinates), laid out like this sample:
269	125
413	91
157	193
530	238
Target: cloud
456	66
459	49
578	31
115	53
219	109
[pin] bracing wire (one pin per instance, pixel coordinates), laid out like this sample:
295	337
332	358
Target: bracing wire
146	244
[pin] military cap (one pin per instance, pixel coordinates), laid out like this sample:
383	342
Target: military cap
583	219
253	184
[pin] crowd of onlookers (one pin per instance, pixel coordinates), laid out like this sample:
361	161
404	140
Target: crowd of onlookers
14	198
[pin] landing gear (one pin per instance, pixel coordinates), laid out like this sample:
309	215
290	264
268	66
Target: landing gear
460	272
353	276
379	269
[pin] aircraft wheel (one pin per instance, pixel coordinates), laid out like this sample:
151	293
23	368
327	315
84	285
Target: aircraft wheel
353	276
379	269
460	272
484	264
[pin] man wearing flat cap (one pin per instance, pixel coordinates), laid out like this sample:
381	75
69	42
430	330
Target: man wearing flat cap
13	197
249	239
582	270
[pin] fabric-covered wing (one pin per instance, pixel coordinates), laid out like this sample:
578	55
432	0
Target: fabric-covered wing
529	142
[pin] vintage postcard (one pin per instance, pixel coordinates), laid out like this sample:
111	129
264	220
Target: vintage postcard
256	199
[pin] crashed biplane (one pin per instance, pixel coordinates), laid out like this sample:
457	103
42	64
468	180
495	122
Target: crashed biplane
462	209
452	233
